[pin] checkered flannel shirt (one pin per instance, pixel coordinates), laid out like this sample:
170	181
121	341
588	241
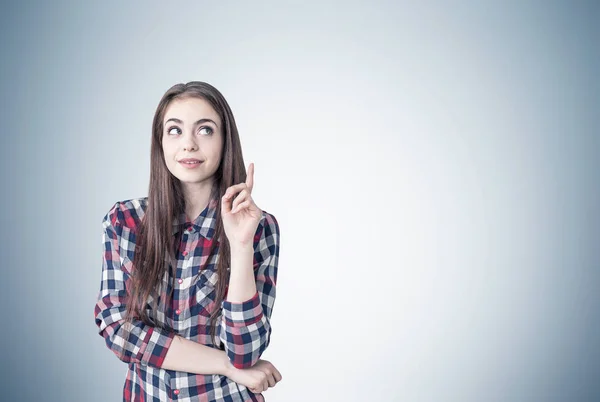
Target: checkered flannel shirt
243	329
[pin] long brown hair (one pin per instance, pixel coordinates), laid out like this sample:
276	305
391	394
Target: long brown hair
154	238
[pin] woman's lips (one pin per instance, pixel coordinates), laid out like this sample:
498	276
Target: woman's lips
190	165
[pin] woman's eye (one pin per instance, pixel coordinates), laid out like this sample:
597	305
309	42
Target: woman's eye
209	130
171	129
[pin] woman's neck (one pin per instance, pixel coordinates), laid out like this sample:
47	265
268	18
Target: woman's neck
197	196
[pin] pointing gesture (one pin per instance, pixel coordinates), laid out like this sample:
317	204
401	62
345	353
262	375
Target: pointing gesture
240	216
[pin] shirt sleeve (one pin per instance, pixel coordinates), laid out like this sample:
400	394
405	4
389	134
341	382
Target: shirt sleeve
245	326
146	345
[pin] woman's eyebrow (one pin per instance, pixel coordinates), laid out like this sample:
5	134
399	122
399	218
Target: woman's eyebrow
196	123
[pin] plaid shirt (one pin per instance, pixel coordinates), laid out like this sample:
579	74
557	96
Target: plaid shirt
243	328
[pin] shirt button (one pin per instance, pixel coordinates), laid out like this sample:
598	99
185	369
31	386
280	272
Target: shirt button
185	253
177	311
176	392
180	280
190	228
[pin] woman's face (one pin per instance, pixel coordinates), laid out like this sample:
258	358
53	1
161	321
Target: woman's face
192	129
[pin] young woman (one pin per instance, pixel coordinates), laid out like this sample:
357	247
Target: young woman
189	272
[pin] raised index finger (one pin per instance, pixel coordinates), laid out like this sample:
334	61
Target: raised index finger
250	177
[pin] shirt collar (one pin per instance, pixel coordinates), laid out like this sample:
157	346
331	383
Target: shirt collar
205	222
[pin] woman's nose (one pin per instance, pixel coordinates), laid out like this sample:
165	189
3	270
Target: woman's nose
189	143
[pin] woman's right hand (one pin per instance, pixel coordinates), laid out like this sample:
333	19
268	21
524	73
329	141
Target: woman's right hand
257	378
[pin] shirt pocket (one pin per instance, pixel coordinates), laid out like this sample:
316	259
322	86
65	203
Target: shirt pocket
204	295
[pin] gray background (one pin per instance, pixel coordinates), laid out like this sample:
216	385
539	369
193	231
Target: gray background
433	167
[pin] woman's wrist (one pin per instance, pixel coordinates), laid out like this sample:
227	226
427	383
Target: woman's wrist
241	249
228	367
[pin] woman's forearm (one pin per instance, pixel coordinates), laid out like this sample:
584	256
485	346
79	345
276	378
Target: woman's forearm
242	284
193	357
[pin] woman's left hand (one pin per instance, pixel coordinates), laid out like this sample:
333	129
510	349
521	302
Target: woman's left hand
240	219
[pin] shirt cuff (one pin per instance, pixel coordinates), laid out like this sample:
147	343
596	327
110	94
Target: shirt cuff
241	314
155	347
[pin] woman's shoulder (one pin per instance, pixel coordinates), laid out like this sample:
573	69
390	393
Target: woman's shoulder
126	213
268	224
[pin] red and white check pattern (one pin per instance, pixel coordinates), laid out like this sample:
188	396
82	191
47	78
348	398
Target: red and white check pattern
243	330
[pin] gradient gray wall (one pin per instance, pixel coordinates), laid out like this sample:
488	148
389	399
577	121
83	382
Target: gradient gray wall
433	166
